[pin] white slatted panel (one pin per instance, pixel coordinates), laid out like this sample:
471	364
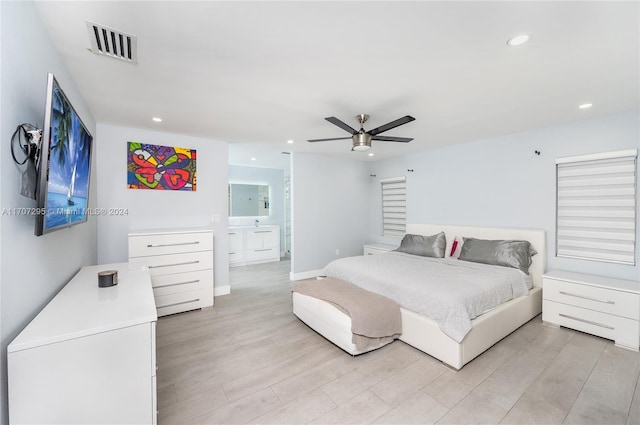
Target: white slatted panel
596	207
394	206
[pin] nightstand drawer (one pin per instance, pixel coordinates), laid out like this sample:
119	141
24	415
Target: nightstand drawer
623	331
618	303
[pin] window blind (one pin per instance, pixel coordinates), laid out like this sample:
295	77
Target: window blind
394	206
596	206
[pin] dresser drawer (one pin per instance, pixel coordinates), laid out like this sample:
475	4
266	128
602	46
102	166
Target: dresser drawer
261	254
183	301
159	244
174	263
623	331
609	301
182	282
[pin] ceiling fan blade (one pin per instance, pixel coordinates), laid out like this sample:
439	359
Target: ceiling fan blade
342	125
326	140
392	139
393	124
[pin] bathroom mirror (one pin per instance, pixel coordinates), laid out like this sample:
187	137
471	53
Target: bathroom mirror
248	200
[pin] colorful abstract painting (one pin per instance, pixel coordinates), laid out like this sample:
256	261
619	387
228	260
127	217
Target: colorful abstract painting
160	167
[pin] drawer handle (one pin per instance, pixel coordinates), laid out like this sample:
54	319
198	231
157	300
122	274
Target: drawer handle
263	231
160	245
266	249
587	298
179	283
231	253
180	303
586	321
175	264
232	233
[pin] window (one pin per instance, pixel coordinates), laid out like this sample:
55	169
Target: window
596	206
394	206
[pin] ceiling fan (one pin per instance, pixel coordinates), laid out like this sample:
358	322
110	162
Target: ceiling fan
361	138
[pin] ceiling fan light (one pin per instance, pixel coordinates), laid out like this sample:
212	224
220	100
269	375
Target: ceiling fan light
361	148
361	142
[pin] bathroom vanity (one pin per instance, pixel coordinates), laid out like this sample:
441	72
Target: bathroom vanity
253	245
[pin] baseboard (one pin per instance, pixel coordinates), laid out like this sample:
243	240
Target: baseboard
221	290
305	275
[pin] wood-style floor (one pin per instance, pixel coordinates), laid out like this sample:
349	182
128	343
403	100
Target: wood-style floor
249	360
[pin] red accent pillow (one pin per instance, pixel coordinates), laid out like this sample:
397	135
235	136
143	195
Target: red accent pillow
453	247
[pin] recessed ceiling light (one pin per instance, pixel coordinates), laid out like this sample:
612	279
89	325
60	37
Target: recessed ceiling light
157	119
290	141
253	159
371	154
518	40
585	106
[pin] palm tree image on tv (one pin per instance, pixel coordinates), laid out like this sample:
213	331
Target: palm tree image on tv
69	156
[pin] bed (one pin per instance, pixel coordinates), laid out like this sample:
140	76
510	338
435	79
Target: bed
425	333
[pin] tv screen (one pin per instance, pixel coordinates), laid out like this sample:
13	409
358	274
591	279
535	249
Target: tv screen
65	164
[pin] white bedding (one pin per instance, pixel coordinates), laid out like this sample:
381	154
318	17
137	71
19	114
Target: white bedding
450	291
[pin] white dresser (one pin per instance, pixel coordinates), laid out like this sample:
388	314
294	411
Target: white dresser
253	245
181	265
606	307
89	356
377	248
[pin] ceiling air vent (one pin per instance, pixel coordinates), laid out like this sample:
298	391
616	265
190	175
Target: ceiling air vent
113	43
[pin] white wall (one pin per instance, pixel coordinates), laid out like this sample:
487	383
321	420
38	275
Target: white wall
33	269
502	182
275	180
330	202
150	209
3	398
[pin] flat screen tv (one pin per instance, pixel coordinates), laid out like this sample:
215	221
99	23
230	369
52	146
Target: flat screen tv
65	164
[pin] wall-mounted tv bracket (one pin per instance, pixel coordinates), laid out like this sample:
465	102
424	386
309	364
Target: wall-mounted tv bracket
29	139
29	142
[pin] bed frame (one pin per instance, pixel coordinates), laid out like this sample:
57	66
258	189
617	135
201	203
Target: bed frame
423	333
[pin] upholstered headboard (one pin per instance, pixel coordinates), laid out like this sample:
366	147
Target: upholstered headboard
535	237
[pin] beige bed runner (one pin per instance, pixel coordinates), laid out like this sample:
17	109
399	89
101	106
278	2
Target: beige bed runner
375	319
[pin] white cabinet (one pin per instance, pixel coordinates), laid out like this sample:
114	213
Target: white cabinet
89	356
253	245
377	248
181	265
606	307
236	246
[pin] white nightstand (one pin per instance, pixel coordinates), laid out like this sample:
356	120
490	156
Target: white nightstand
377	248
602	306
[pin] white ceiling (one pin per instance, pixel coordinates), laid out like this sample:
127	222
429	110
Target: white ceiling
259	73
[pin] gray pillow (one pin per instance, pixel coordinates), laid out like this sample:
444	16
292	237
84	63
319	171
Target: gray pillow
426	246
516	254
